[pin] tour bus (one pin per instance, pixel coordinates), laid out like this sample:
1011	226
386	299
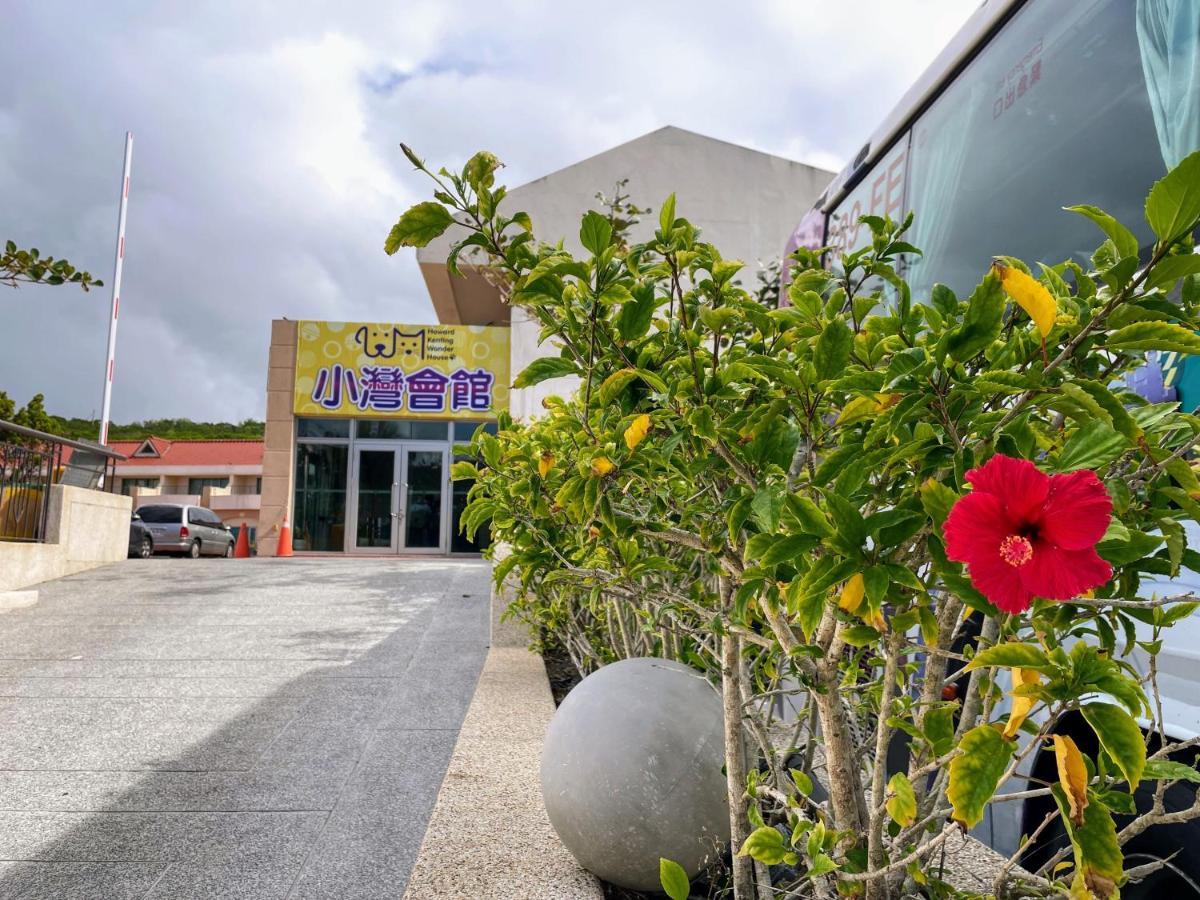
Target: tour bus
1033	106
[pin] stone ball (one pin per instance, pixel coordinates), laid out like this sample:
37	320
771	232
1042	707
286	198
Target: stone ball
632	771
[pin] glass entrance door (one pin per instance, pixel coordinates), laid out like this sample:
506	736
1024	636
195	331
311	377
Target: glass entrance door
400	498
376	480
423	501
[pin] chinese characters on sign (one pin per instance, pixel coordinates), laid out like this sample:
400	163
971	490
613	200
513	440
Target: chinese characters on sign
401	370
388	389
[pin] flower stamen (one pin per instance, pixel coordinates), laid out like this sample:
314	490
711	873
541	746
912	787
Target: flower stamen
1016	550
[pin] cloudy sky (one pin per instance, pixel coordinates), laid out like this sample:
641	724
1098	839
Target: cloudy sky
266	168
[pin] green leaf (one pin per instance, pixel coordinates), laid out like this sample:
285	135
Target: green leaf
1091	447
1171	269
615	383
418	226
1120	737
666	215
463	471
787	548
810	517
976	773
764	844
634	319
937	499
981	322
1166	770
673	879
822	864
543	369
1011	655
802	781
765	509
939	728
480	170
1124	239
859	635
595	233
902	802
1154	336
1098	858
833	349
1173	205
615	294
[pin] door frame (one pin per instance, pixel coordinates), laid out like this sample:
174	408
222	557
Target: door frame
442	448
399	496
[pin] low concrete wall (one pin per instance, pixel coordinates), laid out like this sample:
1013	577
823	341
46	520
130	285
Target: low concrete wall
85	529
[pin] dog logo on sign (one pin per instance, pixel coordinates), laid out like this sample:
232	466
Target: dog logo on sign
386	343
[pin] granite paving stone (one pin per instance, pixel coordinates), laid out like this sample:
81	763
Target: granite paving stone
243	729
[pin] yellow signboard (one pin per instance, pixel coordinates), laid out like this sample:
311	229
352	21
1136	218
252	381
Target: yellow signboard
384	370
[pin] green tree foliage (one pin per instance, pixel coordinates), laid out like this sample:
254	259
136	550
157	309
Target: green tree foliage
760	493
19	266
34	415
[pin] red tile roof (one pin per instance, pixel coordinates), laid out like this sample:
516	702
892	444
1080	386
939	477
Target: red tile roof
192	453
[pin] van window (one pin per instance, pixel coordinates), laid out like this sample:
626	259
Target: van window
161	515
880	193
1069	103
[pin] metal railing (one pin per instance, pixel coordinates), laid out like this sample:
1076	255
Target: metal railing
31	462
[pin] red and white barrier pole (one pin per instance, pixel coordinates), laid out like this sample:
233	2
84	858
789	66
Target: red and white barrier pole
118	265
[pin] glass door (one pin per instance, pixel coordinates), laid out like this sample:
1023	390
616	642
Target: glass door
376	480
423	499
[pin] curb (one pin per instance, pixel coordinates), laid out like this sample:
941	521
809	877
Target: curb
489	837
10	600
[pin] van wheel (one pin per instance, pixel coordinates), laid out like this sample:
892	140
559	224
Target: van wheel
147	548
194	550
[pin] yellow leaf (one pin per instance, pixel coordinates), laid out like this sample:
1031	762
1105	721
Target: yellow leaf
1020	705
546	463
601	466
852	594
856	409
886	401
637	431
1072	774
1030	294
901	804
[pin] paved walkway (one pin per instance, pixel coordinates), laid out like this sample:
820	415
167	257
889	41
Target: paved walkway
219	729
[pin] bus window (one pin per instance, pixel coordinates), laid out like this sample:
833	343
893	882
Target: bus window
880	193
1087	102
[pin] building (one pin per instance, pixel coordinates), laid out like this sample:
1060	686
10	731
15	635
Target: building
362	417
225	476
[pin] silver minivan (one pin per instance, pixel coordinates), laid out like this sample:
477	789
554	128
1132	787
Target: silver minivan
191	530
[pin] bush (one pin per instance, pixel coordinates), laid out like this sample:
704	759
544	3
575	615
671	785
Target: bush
781	498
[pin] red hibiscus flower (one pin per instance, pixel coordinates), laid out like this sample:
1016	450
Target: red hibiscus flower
1025	534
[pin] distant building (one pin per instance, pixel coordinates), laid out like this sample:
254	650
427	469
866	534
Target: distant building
225	476
362	417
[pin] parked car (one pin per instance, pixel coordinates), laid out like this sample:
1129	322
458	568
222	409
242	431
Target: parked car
140	542
191	530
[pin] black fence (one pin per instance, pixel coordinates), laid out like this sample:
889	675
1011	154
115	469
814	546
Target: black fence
31	462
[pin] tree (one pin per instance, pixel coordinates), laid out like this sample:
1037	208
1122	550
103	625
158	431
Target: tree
30	267
821	502
33	415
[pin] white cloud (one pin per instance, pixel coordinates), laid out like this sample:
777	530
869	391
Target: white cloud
267	172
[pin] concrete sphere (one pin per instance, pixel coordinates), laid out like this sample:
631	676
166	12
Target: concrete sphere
631	771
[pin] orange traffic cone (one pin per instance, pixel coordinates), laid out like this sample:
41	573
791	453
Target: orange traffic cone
242	550
284	547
